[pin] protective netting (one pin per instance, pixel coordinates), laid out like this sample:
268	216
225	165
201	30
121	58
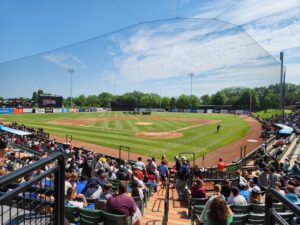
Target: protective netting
153	57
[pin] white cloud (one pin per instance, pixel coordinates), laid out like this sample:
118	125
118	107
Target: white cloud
251	10
65	60
180	47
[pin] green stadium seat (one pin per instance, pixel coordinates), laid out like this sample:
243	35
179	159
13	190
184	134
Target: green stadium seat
287	216
258	208
239	219
72	214
113	219
240	209
195	207
279	207
257	219
91	216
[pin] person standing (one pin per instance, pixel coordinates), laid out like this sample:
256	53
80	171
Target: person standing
264	179
218	128
221	165
182	177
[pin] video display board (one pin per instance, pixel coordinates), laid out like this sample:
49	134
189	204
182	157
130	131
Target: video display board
50	101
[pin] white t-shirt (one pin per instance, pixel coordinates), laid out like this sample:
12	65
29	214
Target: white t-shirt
76	204
236	200
140	165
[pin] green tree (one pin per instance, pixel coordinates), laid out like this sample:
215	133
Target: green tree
92	100
154	101
172	103
80	101
183	102
205	100
165	102
194	101
219	98
105	99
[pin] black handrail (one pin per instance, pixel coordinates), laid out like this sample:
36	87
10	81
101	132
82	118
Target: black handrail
59	178
166	203
271	214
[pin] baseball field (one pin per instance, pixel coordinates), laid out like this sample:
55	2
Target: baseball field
151	135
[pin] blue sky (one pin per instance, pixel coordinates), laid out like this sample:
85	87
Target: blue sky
151	57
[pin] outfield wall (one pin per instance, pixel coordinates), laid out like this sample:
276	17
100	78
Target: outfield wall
95	109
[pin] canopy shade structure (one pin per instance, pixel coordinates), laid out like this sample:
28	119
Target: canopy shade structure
284	128
14	131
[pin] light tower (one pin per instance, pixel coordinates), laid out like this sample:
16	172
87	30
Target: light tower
71	71
191	75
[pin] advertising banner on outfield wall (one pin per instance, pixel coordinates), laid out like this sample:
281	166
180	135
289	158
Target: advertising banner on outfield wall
27	110
57	110
39	110
224	111
18	110
87	110
200	111
216	110
80	110
64	110
174	110
73	110
99	109
49	110
239	111
6	110
209	111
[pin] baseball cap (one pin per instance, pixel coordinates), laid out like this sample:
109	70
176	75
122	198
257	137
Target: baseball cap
183	158
256	189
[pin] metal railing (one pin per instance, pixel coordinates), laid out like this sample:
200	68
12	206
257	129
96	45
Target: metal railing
37	200
274	217
166	204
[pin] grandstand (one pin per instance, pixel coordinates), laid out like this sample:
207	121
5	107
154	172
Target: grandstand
212	162
34	174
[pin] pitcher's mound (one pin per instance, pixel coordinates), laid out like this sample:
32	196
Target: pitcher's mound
159	134
143	123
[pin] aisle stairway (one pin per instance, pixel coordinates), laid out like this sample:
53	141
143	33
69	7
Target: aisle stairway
155	210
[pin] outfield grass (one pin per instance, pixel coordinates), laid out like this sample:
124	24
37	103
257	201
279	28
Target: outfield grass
200	140
265	114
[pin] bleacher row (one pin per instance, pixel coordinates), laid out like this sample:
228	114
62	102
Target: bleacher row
242	214
40	199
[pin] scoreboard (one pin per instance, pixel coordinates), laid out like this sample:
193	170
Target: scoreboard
50	101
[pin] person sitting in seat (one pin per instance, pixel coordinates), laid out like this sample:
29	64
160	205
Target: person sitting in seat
197	190
217	194
107	192
124	205
226	189
71	196
290	194
255	196
244	190
236	198
218	212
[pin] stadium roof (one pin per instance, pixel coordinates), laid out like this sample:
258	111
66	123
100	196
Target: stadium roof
14	131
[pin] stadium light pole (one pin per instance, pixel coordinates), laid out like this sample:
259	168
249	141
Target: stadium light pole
281	103
191	75
71	71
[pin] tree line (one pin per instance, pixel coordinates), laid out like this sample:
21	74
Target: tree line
237	97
